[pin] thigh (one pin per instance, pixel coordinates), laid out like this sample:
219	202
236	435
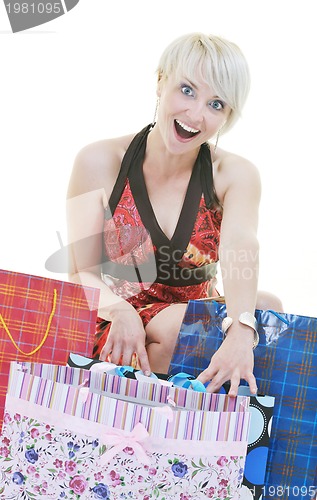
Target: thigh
165	326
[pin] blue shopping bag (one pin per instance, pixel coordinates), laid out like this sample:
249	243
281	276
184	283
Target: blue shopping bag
286	369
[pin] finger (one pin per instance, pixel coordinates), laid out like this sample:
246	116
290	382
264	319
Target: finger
207	374
234	384
144	361
252	383
105	351
215	384
127	357
115	354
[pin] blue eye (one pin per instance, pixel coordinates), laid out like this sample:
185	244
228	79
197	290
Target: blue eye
217	104
187	90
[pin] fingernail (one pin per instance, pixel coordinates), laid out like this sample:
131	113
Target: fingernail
147	373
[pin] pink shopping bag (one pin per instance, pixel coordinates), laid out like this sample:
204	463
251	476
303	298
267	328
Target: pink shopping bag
64	441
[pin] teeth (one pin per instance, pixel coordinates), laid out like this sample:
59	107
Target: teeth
188	129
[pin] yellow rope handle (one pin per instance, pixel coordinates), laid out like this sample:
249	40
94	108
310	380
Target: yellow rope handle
45	335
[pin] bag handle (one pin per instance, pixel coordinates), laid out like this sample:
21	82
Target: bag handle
180	379
186	381
279	316
45	335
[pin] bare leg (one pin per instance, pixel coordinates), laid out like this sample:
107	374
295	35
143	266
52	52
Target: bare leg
162	332
267	300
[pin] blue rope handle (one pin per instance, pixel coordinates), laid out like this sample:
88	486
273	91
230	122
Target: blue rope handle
279	316
181	379
185	380
121	371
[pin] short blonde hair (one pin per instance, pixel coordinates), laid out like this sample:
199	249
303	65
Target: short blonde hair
214	60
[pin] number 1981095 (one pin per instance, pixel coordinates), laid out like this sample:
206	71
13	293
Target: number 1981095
290	491
34	8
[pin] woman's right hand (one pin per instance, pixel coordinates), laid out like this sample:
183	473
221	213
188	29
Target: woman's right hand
126	337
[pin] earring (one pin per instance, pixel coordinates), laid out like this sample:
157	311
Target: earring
217	139
156	111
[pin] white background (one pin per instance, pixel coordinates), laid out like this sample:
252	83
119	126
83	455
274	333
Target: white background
91	74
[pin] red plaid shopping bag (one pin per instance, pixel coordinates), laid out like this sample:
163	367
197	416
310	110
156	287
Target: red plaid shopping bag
43	320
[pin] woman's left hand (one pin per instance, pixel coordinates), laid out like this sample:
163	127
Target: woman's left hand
233	361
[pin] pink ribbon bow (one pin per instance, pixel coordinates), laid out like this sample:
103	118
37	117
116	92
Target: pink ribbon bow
119	440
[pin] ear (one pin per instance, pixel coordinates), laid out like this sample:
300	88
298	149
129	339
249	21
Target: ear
161	80
159	87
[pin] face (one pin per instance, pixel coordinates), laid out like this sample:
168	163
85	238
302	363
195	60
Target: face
189	113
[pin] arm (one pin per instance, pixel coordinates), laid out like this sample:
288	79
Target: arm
239	266
93	176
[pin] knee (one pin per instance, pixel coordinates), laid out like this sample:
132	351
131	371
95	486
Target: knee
165	326
160	353
267	300
164	345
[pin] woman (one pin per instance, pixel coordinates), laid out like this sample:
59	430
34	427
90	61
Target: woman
150	214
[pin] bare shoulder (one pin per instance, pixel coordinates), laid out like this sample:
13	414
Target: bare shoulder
97	165
232	171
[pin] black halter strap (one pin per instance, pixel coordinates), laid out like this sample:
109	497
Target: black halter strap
164	267
128	159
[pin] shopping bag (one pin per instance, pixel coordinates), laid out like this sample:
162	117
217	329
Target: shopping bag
62	441
43	320
143	390
285	368
261	409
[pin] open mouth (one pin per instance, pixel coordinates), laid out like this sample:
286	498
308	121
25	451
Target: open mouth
184	131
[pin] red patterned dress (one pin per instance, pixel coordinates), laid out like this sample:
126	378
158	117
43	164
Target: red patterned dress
142	265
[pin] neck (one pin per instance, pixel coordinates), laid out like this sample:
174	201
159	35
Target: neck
158	156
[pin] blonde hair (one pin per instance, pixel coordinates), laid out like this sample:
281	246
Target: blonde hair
214	60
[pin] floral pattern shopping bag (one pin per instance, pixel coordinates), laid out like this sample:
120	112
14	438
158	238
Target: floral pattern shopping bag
66	442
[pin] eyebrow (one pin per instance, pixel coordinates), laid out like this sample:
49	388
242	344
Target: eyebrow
192	84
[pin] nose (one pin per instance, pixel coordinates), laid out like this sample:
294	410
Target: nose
195	112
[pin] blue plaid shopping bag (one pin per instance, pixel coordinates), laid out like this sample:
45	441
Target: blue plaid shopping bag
285	368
